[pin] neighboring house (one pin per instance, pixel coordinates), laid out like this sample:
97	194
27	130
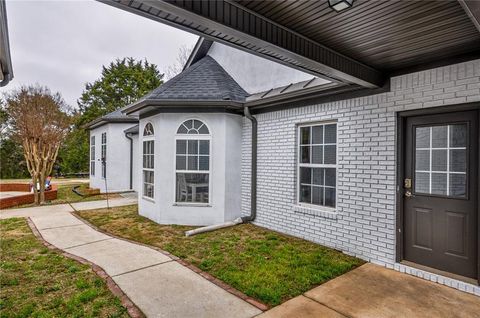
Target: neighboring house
375	154
113	152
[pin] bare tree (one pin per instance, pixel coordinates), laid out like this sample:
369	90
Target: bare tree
177	67
39	120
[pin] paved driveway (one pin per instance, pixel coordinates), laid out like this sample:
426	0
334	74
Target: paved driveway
374	291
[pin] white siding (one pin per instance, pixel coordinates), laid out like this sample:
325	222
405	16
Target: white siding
118	158
255	74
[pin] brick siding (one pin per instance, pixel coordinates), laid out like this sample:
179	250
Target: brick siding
364	222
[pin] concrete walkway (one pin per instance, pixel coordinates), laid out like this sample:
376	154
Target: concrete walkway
374	291
65	208
157	284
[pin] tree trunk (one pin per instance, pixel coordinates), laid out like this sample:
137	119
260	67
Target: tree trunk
35	191
42	189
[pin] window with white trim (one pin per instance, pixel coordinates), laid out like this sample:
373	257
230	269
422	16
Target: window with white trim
92	155
104	155
192	162
148	161
317	164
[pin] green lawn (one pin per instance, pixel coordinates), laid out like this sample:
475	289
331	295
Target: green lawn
263	264
38	282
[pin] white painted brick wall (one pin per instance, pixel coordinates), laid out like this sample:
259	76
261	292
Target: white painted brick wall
364	224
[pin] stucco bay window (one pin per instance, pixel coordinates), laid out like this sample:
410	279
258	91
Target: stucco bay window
317	164
192	163
148	156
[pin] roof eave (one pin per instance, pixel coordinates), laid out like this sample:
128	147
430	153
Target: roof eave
103	121
199	51
183	102
5	57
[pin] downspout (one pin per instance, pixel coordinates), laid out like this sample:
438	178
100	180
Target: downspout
253	186
253	172
128	135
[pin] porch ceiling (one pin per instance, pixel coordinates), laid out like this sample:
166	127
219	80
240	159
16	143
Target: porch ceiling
360	46
387	35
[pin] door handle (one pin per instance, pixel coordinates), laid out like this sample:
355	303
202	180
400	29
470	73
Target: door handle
408	194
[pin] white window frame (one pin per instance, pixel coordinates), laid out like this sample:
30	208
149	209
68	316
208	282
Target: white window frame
209	171
152	139
103	154
316	165
92	156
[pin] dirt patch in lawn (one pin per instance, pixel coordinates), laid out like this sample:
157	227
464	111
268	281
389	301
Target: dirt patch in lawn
263	264
38	282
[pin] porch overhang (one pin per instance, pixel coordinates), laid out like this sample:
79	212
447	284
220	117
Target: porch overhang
220	21
362	47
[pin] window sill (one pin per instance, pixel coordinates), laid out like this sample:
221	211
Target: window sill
328	214
198	205
148	199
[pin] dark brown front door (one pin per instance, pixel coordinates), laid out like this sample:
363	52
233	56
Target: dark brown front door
441	192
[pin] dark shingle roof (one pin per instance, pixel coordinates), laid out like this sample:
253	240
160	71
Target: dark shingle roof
204	80
132	130
114	117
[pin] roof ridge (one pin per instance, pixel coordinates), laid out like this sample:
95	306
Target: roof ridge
176	78
225	84
204	80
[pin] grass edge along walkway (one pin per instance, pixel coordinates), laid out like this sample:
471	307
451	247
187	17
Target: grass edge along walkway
268	266
37	279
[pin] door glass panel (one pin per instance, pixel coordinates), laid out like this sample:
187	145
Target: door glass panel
422	158
422	137
439	183
422	182
439	136
440	160
458	135
458	160
457	185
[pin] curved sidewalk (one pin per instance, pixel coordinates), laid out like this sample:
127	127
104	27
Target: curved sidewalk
158	284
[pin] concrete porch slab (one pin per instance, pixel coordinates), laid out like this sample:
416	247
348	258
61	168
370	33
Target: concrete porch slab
374	291
65	237
117	257
172	290
303	307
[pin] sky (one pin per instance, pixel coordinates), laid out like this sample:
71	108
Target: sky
63	44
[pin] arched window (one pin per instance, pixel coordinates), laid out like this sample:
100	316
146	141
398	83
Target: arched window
148	161
192	162
193	127
148	130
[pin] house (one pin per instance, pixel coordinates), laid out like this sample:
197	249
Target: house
114	152
357	129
